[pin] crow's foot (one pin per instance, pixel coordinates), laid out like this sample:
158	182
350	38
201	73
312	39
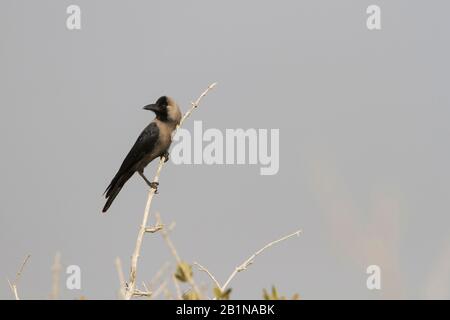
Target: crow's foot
166	156
154	185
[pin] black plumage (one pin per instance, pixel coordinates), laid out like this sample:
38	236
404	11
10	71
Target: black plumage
154	141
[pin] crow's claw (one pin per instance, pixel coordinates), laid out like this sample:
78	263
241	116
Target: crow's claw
154	185
166	156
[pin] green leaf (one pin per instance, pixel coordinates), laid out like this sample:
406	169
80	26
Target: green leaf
266	296
183	272
191	295
222	295
273	295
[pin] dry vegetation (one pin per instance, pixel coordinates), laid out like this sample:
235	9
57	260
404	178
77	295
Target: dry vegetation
168	282
183	273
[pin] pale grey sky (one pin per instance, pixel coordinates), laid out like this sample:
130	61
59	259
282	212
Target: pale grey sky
363	119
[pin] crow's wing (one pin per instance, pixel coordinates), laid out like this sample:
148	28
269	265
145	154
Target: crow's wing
144	144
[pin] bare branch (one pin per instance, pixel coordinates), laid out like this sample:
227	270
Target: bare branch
56	274
177	288
159	274
120	274
250	260
134	259
174	252
154	229
147	293
196	103
160	289
167	294
202	268
246	263
168	241
13	289
13	285
19	273
151	193
139	293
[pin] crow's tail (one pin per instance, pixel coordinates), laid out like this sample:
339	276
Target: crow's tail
114	188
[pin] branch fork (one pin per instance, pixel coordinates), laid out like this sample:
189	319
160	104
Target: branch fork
131	288
245	264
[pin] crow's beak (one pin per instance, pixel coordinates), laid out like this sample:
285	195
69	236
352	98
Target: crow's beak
152	107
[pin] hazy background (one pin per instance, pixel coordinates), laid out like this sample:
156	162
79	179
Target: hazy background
363	118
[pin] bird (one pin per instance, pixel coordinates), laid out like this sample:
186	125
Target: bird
153	142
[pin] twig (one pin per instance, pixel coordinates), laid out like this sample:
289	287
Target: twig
139	293
171	227
56	274
159	274
151	193
177	288
154	229
169	242
121	276
13	285
158	291
174	252
250	260
148	292
245	264
167	294
202	268
134	259
196	103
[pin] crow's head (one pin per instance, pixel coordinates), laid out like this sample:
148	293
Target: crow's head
166	109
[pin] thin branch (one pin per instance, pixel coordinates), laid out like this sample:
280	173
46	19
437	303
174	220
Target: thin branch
19	273
202	268
159	274
174	252
151	193
56	274
177	288
134	258
139	293
121	276
196	103
158	291
246	263
154	229
250	260
13	289
168	241
167	294
156	278
13	285
148	292
171	227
